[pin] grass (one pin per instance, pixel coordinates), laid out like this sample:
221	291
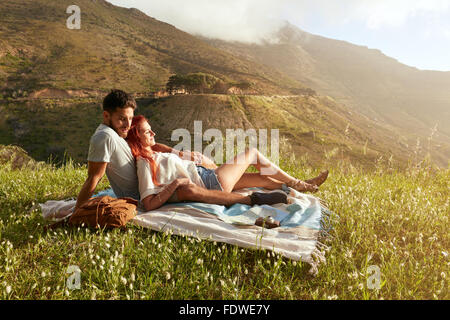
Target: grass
395	220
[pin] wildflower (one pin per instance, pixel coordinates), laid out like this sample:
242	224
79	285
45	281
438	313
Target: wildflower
8	289
168	276
133	277
124	280
199	261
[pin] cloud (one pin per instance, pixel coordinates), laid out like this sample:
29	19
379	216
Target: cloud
241	20
253	20
385	13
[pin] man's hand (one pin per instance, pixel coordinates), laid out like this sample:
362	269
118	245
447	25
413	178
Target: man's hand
183	182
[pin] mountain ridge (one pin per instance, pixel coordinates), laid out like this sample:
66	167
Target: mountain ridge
124	48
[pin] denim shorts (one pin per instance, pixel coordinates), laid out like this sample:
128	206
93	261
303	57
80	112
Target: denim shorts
209	178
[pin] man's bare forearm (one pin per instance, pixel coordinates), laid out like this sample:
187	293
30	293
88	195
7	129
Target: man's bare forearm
159	199
159	147
86	192
200	194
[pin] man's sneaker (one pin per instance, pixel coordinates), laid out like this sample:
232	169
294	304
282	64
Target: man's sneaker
272	197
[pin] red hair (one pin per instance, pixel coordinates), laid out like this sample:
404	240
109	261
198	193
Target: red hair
136	147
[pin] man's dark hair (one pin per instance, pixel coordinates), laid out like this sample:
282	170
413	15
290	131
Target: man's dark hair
118	99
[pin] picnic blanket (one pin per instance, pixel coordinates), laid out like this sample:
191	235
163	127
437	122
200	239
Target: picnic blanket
304	222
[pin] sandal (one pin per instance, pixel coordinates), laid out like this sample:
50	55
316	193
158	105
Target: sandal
302	186
317	181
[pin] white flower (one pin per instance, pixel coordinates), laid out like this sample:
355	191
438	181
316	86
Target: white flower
124	280
168	276
8	289
199	261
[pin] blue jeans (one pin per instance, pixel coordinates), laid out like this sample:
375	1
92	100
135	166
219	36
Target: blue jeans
209	178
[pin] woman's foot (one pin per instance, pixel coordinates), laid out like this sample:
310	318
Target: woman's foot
317	181
302	186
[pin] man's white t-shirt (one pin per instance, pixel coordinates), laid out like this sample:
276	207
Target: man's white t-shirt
169	167
107	146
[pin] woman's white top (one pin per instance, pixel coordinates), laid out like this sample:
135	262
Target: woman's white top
169	167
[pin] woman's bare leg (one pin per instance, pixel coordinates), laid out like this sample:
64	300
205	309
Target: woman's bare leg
249	180
230	173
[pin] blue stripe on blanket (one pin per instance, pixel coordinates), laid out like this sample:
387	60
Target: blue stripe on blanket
313	216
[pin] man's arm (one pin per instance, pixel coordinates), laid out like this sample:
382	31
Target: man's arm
155	201
96	170
197	157
159	147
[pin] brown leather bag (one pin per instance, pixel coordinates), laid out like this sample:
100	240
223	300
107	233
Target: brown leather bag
104	212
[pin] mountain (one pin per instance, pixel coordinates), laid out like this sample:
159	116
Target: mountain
52	80
314	128
115	47
402	99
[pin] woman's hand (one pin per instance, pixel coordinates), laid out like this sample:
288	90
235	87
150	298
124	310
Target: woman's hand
200	159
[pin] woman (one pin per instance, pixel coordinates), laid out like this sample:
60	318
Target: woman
165	177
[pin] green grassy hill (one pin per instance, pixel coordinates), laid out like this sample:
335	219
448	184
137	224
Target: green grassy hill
115	47
313	127
397	221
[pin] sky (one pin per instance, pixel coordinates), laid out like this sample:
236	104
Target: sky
415	32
